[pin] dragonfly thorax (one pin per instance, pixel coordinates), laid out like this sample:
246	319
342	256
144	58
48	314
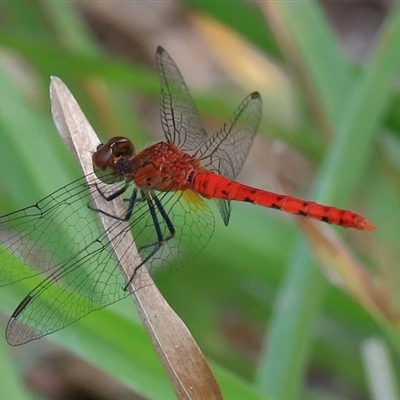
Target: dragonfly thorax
163	167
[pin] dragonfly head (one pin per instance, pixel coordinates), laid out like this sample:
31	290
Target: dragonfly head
110	159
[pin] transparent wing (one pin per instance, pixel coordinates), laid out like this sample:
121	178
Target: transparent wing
37	234
60	237
87	281
226	151
179	117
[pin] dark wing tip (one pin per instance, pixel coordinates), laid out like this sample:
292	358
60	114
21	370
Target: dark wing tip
163	58
255	95
160	50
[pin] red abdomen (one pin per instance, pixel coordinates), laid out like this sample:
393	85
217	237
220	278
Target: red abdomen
211	185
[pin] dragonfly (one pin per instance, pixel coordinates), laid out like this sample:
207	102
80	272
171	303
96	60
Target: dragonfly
163	188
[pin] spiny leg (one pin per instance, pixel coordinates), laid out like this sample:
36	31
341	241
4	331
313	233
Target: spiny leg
115	194
132	201
154	203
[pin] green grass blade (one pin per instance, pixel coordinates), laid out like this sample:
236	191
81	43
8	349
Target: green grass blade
290	336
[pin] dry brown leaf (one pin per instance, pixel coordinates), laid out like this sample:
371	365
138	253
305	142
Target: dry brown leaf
185	364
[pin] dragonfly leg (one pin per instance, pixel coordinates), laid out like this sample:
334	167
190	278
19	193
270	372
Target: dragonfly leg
154	203
115	194
132	201
164	216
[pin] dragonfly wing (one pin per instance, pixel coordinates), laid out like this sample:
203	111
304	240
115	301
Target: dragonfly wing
226	151
224	207
179	117
37	234
39	238
86	282
79	282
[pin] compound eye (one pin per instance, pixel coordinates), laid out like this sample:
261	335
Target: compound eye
102	156
102	163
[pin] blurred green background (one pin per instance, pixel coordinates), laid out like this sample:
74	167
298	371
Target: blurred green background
271	321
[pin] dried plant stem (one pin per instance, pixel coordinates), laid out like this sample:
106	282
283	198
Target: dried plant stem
185	364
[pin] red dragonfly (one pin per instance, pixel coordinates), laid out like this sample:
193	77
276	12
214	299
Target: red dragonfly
163	188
